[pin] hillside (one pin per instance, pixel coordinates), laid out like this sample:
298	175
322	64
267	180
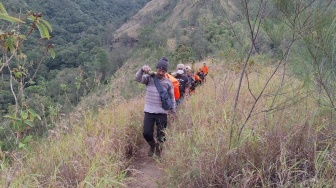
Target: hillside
264	117
187	23
80	34
105	147
168	15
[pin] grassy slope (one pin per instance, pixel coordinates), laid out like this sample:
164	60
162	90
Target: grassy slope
94	153
281	147
289	145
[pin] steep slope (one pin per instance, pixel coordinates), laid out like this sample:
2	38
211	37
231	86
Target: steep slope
167	15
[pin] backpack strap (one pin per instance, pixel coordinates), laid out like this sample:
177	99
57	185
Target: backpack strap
157	84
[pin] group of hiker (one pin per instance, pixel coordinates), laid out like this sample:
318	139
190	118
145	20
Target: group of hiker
164	91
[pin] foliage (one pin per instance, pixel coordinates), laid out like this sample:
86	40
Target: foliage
316	57
21	124
14	62
81	29
183	54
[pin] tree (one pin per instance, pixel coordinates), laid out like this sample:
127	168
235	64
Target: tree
183	54
14	63
298	24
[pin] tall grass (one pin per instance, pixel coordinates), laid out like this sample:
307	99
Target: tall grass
287	142
94	153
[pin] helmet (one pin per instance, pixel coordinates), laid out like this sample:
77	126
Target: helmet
180	66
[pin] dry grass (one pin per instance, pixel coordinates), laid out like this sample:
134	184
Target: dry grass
280	146
289	141
95	153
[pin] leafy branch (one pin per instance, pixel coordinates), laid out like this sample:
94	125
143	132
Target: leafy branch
12	62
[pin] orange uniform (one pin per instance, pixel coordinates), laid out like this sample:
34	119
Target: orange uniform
205	69
197	78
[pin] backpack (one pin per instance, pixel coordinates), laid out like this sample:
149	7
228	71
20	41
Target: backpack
166	99
176	85
201	75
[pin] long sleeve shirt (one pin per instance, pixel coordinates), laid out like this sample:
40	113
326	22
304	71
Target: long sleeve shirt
153	102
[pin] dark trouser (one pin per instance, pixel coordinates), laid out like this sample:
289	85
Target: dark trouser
179	101
148	130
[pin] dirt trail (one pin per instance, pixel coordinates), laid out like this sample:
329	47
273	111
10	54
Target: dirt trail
144	170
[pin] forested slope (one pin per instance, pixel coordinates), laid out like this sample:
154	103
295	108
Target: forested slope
80	37
81	34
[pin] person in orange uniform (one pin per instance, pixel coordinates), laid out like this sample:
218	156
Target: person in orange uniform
198	79
200	74
205	70
195	81
191	80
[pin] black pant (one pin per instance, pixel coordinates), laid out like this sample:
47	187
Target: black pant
148	130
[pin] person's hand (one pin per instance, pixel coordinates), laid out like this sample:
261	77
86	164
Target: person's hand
146	69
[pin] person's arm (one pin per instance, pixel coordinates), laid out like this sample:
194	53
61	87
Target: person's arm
142	75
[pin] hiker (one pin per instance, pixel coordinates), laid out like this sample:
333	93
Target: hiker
191	80
200	74
187	68
198	80
184	82
189	75
205	70
154	112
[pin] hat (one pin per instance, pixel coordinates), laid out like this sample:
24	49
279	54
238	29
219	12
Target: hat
187	68
162	64
180	66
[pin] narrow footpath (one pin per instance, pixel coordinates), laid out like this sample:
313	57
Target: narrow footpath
144	171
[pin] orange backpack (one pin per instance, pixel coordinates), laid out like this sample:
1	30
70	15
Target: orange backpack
176	85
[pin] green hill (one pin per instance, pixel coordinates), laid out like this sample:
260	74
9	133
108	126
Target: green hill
81	31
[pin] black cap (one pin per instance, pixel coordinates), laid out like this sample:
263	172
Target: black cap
162	64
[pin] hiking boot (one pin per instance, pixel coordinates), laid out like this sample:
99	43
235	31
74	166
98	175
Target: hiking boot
151	149
158	149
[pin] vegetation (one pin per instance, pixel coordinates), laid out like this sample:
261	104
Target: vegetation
94	153
290	145
50	85
82	34
264	118
281	147
13	63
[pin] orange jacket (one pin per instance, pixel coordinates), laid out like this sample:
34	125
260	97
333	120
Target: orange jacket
205	69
